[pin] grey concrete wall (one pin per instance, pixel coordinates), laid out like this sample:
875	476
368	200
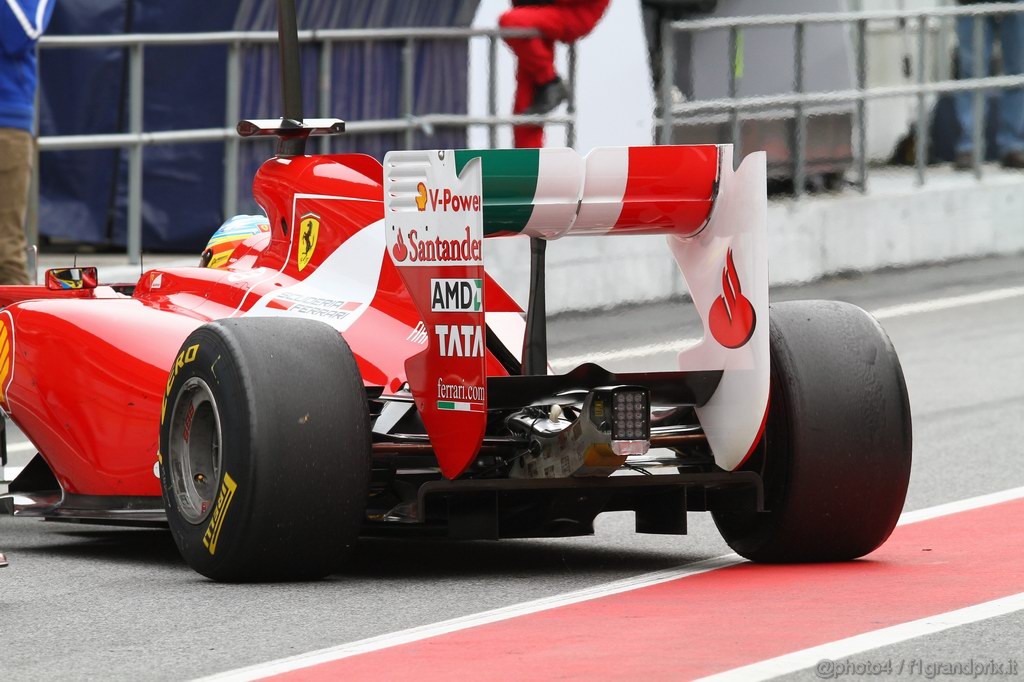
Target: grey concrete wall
896	224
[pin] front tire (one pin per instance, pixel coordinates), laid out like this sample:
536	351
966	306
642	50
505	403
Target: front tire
265	450
835	458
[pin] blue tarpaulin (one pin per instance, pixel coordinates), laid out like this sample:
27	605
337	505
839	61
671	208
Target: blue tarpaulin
83	194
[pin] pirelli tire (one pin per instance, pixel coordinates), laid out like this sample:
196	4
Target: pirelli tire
265	450
835	458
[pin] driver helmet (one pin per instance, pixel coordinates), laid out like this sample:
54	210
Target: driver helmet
228	236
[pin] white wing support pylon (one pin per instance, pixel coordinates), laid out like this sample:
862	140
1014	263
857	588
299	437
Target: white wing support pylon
726	270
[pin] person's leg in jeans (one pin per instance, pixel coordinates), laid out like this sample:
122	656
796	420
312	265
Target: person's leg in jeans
1010	136
964	101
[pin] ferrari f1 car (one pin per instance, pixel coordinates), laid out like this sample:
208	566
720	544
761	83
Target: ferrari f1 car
353	369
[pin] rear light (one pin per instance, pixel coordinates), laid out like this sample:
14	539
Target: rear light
631	414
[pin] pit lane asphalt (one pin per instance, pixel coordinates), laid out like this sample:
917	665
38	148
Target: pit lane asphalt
82	602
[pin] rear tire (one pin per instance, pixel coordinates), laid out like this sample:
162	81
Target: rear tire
835	457
265	450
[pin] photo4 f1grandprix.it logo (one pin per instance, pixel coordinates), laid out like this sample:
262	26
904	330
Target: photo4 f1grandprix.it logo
731	318
456	295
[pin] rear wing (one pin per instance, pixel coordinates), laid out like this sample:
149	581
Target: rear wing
441	204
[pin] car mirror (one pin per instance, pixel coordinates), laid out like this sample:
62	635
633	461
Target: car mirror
71	278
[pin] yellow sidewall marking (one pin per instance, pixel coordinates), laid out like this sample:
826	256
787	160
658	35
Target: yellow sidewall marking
224	497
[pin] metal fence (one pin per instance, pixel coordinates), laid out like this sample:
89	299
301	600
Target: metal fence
674	114
136	139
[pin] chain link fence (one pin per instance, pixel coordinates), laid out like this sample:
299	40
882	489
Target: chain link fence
136	139
928	26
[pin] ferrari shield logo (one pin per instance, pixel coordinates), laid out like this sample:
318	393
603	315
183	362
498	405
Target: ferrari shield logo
309	228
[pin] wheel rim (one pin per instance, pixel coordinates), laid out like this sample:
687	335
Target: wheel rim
194	457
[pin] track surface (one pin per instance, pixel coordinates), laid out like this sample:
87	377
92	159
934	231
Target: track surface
80	602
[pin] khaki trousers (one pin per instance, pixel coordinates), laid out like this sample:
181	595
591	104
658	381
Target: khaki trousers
15	173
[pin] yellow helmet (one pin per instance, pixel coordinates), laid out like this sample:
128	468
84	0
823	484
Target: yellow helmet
228	236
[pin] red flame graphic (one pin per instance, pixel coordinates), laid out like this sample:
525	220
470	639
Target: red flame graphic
400	251
731	318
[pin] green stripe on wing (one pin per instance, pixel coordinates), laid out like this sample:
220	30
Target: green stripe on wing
509	185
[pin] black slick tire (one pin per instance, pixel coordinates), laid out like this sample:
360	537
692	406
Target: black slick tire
265	450
836	454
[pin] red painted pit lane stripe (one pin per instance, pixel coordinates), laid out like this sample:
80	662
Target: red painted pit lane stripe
716	621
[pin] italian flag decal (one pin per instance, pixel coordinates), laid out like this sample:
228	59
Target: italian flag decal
460	407
549	193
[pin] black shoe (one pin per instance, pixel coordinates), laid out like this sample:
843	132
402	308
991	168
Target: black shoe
546	97
1013	159
964	160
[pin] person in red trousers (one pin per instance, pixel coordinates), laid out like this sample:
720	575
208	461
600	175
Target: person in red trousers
538	87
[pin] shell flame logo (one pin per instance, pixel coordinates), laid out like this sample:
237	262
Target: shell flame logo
421	197
400	251
731	318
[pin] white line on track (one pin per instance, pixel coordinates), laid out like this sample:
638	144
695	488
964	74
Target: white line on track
961	506
949	302
626	353
826	654
902	310
9	473
474	620
938	622
23	446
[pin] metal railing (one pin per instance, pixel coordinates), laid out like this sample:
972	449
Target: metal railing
136	139
673	114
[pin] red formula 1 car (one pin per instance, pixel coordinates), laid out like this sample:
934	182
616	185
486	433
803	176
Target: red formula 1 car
354	370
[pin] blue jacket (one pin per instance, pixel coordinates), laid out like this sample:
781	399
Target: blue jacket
21	24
